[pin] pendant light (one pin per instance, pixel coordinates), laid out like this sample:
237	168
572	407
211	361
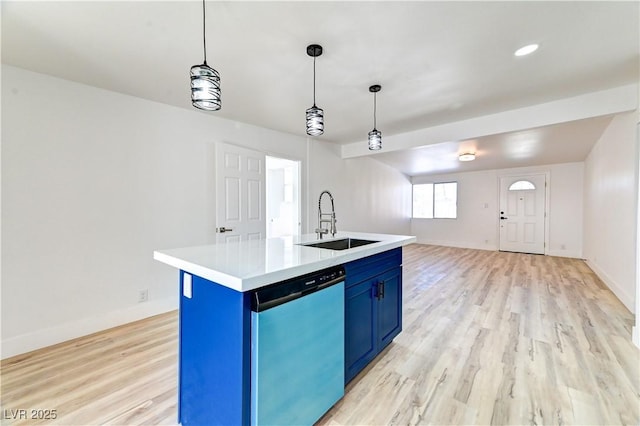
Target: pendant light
375	136
205	81
315	115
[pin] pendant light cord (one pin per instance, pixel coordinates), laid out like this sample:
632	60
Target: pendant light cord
204	32
374	110
314	81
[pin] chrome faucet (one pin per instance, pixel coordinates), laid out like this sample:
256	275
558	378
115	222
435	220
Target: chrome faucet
320	230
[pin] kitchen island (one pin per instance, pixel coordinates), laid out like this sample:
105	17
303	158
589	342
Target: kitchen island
217	283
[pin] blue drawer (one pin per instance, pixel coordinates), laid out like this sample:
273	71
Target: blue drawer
368	267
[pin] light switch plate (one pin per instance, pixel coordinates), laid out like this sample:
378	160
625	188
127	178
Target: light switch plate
187	290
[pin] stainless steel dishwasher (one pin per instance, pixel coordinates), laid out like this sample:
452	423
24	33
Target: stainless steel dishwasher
297	348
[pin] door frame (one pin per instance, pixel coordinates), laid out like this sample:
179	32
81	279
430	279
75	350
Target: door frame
299	191
302	182
547	192
303	186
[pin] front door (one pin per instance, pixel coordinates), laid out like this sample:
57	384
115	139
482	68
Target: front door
240	194
522	213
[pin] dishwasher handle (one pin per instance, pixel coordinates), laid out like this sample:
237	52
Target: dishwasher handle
262	305
329	283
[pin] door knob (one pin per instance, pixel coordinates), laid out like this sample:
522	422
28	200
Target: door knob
222	229
503	218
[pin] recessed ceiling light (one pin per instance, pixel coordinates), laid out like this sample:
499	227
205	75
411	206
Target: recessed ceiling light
467	156
525	50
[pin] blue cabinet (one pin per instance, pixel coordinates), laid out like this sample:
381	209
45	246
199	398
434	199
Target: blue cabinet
389	306
214	357
216	333
360	335
373	308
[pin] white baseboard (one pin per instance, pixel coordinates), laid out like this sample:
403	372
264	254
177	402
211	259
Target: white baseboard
50	336
458	244
565	253
626	298
636	336
471	245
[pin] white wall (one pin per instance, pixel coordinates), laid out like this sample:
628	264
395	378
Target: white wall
369	195
477	225
92	182
611	190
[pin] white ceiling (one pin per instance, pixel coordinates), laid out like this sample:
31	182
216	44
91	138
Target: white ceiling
437	62
560	143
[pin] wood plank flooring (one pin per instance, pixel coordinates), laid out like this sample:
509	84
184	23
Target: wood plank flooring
126	375
489	338
500	338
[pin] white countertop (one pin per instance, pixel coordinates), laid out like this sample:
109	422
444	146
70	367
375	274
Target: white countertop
248	265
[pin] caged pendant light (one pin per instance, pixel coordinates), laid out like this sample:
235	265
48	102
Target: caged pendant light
205	81
315	115
375	136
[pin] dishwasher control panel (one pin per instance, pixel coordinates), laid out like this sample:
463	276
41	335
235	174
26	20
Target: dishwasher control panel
285	291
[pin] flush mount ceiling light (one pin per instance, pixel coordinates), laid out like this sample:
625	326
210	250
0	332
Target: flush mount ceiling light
315	115
467	156
526	50
205	81
375	136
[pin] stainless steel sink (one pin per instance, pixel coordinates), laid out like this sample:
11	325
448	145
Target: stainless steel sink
342	244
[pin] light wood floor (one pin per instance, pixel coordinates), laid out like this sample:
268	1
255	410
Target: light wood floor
489	338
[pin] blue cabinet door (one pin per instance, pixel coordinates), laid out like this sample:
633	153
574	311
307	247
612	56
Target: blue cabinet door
360	330
372	320
390	307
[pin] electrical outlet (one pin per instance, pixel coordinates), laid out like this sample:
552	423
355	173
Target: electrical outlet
143	296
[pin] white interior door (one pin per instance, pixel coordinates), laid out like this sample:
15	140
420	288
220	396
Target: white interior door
522	213
240	193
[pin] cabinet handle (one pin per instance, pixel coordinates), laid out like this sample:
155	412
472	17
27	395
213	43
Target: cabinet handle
379	290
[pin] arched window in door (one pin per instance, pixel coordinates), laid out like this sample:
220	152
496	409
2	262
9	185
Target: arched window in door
521	185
